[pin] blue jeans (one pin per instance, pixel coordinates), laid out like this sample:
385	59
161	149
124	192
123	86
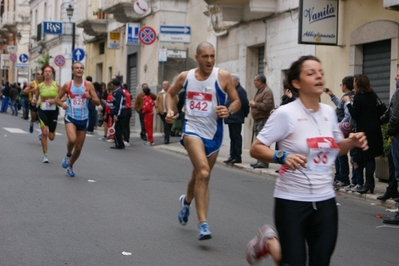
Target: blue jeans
395	156
342	169
14	107
92	120
4	104
357	176
25	107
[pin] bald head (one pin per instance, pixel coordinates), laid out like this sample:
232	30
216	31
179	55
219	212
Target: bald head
204	45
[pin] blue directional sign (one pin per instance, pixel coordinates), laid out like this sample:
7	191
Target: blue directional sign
52	27
132	33
78	54
175	33
23	58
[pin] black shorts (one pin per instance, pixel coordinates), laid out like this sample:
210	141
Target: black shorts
49	119
33	108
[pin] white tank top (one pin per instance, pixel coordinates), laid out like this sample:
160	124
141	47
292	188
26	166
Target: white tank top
201	99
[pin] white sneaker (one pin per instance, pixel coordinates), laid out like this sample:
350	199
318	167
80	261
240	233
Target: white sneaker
355	188
110	140
45	159
127	144
257	248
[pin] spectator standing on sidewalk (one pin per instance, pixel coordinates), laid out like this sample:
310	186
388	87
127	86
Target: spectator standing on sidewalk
392	188
235	122
138	106
393	137
364	111
160	105
14	97
341	163
118	112
261	107
126	126
148	112
207	89
5	97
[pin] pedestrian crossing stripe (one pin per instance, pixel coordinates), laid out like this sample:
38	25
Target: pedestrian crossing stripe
20	131
15	130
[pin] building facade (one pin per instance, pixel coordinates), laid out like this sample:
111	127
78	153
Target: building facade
250	37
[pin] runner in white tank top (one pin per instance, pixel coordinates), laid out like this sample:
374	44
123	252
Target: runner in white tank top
203	130
75	126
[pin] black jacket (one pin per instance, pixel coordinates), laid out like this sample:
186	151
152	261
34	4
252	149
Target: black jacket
118	103
364	111
393	124
238	117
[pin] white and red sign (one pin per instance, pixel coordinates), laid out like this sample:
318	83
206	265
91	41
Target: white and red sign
140	7
147	35
59	60
13	57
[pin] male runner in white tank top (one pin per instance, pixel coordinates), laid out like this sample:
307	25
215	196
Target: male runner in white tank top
206	88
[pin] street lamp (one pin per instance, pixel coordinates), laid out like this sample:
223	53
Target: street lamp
69	11
19	36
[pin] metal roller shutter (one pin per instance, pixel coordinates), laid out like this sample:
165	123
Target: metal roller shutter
376	65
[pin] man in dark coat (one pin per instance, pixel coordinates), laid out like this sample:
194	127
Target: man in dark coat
235	122
393	134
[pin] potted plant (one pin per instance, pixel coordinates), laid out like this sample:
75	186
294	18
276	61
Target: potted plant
99	13
381	162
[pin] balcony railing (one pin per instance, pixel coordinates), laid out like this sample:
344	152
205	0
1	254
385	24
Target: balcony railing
8	19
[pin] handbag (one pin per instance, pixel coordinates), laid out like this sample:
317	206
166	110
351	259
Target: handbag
381	107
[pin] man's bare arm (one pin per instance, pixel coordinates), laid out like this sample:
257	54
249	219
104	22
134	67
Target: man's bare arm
170	95
230	89
92	91
28	89
61	95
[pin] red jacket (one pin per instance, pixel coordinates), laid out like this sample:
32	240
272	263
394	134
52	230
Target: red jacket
148	105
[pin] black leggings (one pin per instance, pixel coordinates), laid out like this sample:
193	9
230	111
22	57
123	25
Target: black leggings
314	223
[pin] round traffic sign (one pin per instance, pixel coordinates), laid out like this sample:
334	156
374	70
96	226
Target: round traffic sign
23	58
140	7
13	57
78	54
147	35
59	60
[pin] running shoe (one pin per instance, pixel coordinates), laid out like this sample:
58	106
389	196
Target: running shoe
203	231
110	140
45	159
31	128
184	211
103	138
65	162
70	172
40	136
257	248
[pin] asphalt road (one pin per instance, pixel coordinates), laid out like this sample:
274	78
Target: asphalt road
127	201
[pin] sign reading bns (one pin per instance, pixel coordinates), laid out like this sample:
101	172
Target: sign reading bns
52	27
